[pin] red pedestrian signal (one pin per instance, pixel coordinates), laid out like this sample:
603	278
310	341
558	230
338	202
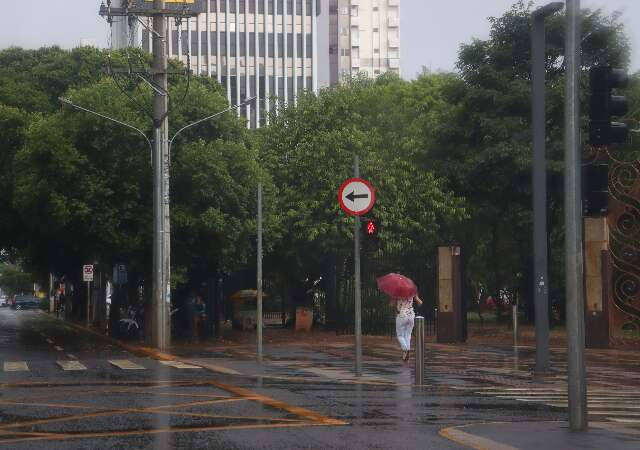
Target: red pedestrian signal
371	227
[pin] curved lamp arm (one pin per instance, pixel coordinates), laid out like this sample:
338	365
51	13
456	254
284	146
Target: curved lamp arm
124	124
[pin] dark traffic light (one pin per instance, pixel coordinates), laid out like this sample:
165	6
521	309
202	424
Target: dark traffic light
596	190
603	105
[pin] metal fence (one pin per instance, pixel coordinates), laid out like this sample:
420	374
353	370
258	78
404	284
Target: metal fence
378	315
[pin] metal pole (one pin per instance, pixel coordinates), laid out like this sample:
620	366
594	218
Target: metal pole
88	301
357	281
419	350
541	291
51	296
160	280
259	294
577	389
514	313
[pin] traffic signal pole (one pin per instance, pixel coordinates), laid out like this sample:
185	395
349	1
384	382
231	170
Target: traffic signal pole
541	290
357	280
574	268
539	178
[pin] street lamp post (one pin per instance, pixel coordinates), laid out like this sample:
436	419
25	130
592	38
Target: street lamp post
539	177
161	247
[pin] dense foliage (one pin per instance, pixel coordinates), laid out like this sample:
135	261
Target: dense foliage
449	155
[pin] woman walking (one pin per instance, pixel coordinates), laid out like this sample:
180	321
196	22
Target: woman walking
404	322
403	293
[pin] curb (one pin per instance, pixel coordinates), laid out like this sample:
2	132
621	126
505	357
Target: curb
135	349
455	434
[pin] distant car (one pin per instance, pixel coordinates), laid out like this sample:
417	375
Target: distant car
26	302
4	301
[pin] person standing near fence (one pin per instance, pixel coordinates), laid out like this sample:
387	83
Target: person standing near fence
404	322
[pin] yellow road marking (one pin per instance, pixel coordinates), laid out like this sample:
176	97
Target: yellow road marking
455	434
59	437
278	404
308	418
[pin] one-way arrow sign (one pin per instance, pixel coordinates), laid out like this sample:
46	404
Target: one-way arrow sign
356	196
353	196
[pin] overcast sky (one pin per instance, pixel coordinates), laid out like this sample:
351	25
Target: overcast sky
431	30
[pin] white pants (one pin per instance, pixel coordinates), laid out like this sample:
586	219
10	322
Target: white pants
404	327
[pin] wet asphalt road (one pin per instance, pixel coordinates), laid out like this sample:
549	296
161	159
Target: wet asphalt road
159	407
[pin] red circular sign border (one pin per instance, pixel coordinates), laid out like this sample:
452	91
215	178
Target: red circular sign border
371	203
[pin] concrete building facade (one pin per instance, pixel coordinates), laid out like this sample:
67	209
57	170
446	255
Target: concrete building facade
254	48
276	49
363	37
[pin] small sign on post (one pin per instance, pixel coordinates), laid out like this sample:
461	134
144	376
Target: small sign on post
87	273
87	276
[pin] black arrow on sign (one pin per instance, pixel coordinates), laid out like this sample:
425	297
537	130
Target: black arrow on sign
353	196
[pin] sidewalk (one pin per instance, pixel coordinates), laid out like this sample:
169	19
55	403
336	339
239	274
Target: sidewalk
542	435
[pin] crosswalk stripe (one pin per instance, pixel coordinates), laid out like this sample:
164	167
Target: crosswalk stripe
622	406
15	366
125	364
179	365
71	365
627	421
57	347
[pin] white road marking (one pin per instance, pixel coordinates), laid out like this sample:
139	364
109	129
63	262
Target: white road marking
71	356
57	347
49	341
629	421
125	364
71	365
16	366
179	365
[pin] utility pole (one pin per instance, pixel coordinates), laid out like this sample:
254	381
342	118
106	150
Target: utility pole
539	177
161	281
577	388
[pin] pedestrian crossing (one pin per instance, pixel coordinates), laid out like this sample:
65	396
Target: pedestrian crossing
71	365
15	366
619	405
75	365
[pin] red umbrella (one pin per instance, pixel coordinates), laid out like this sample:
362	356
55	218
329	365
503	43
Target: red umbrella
397	285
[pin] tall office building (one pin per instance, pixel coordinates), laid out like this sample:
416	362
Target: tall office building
363	37
262	48
276	48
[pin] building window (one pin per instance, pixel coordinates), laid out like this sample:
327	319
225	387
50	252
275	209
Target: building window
376	50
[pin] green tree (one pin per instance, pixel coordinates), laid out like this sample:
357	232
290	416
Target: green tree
309	149
484	146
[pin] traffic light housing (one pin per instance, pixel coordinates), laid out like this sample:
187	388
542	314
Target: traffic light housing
596	190
603	106
369	230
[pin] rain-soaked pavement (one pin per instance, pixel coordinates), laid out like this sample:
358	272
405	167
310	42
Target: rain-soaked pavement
62	388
